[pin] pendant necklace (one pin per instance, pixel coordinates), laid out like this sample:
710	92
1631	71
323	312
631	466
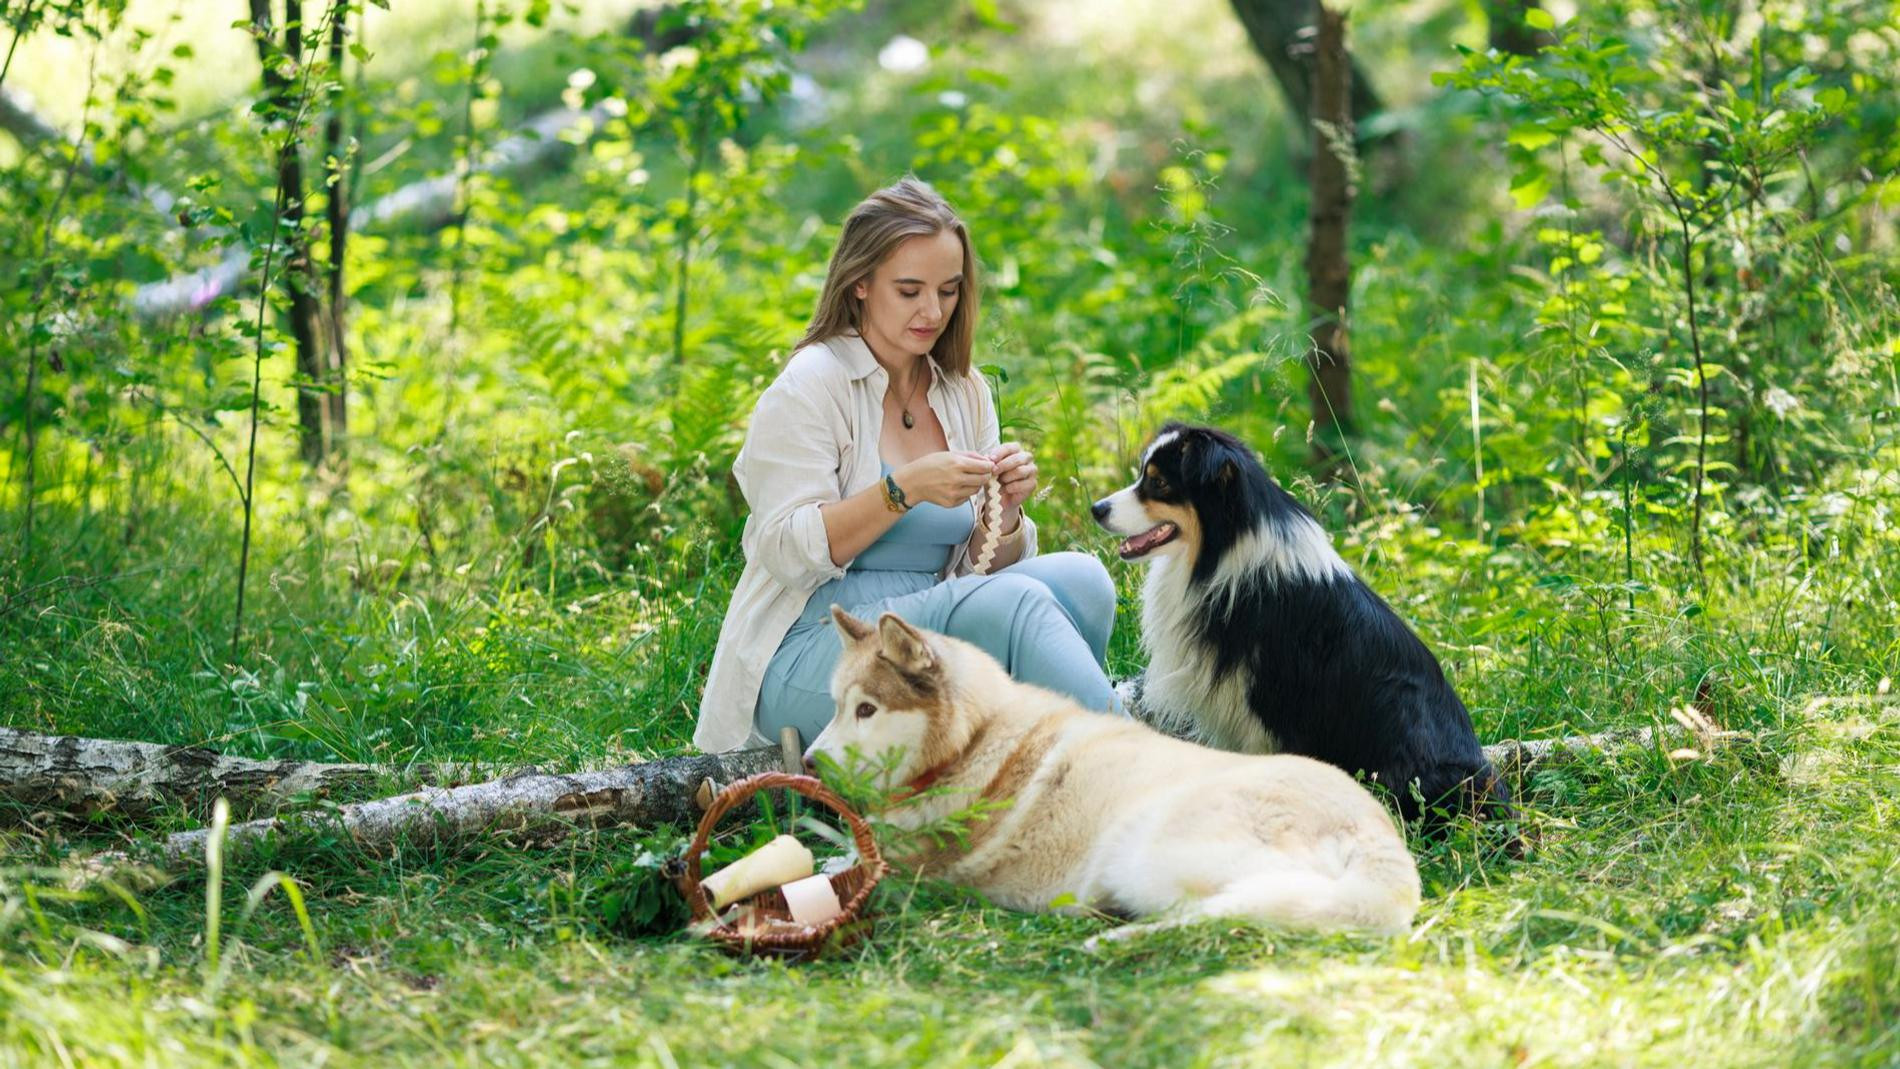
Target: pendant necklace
910	422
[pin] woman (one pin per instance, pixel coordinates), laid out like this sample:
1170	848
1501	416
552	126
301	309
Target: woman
865	466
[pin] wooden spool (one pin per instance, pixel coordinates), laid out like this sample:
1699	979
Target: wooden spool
774	932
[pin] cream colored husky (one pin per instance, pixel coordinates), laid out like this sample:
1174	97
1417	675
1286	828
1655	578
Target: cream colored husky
1105	813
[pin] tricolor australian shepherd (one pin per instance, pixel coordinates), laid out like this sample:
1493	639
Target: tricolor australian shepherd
1262	640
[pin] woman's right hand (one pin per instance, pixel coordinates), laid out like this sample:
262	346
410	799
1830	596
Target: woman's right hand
948	478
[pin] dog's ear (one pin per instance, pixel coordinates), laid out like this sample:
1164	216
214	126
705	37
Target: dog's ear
1213	462
904	645
850	628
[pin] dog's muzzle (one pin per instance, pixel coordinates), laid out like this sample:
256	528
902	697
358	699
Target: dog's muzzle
1137	541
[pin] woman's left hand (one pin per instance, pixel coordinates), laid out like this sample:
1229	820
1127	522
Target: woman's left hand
1016	471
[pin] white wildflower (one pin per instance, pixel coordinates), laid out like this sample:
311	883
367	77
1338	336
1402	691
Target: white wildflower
903	54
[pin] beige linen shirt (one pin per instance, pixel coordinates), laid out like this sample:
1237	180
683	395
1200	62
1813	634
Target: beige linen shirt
814	439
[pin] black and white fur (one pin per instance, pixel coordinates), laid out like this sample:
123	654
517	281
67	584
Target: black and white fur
1262	638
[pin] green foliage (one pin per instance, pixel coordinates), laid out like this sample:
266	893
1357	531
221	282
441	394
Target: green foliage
1727	911
1680	345
634	895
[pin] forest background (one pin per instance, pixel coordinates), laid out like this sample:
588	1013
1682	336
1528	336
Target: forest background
370	392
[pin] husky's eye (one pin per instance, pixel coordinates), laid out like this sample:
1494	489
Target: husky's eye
865	709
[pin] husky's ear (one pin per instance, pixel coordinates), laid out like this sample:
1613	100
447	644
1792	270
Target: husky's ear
904	645
850	628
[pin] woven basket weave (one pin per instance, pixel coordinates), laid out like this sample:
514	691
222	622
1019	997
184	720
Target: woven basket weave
776	933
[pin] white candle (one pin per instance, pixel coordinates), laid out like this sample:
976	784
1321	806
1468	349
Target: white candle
812	900
782	860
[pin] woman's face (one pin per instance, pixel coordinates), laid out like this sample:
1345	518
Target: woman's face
909	298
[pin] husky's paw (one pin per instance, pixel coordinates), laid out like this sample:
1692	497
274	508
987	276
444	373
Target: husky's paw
1132	701
1094	943
1128	695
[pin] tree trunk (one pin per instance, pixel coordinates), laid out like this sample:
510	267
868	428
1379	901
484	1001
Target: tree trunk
1508	31
337	214
1282	32
644	26
425	205
304	312
646	795
1329	276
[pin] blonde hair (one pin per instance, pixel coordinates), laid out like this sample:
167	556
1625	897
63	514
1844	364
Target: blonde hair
882	221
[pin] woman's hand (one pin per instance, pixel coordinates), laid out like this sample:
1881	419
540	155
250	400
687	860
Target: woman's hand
948	478
1016	471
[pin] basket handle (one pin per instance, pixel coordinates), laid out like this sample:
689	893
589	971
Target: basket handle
732	796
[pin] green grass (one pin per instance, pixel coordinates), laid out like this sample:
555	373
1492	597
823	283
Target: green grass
1728	911
1733	909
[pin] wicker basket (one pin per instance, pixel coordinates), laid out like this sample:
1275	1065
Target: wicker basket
779	935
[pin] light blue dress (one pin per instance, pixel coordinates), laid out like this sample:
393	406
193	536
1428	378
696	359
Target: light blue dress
1047	619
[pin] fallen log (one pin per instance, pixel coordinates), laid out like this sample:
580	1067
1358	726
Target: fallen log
35	133
545	141
1513	758
20	118
1693	735
84	777
674	791
65	772
87	777
647	794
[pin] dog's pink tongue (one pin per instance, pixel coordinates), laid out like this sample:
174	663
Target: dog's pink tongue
1136	545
